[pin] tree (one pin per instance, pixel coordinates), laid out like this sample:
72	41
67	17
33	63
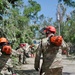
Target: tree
22	21
61	10
69	28
68	2
32	9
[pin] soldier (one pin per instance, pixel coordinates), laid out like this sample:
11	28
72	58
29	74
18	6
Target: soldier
5	50
23	53
51	52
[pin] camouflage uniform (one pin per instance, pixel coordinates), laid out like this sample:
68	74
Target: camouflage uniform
3	60
51	64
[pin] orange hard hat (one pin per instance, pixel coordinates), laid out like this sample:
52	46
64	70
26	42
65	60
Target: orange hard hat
51	29
56	40
7	49
3	40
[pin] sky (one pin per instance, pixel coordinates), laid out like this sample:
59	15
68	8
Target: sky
49	7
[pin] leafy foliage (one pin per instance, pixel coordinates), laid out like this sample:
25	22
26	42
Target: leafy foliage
15	24
68	2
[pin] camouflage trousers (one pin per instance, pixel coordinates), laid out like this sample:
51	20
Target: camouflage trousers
3	60
54	71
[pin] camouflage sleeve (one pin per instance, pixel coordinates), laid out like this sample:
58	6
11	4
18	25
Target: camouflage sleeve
37	58
3	60
64	45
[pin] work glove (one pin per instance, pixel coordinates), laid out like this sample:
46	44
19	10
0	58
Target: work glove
37	69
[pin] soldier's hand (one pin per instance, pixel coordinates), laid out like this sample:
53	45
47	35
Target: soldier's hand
37	69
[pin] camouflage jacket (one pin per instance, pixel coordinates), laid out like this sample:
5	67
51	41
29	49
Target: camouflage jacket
3	60
51	55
